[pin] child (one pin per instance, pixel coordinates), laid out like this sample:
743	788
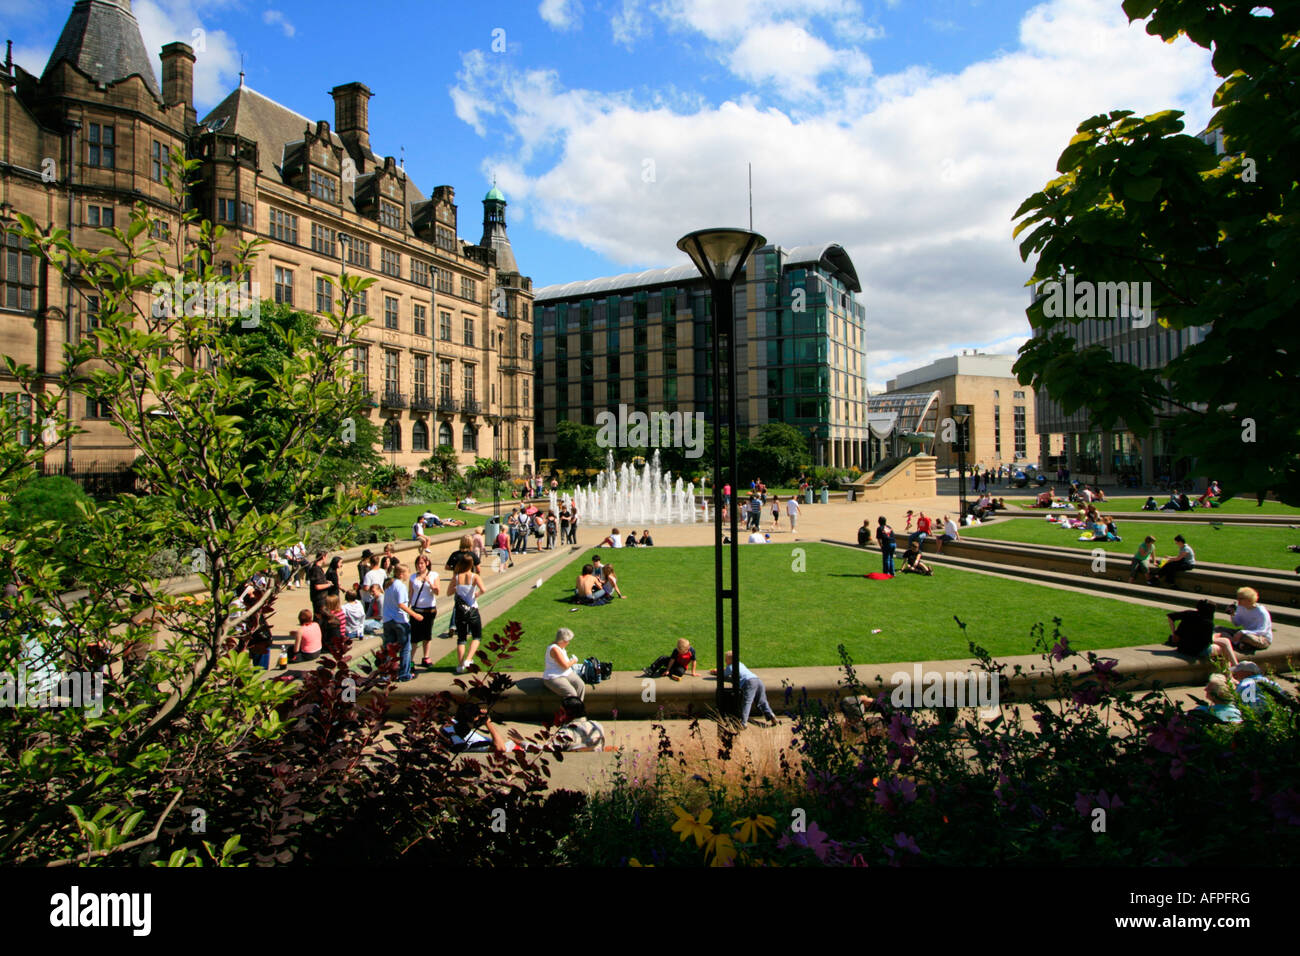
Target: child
683	660
912	562
354	615
908	527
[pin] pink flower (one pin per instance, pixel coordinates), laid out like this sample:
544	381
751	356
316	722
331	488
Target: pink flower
1061	650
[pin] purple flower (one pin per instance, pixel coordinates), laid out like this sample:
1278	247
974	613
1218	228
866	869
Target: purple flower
1169	738
813	839
1061	650
900	728
1087	695
905	842
1286	807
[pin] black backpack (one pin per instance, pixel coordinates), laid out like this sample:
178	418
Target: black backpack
593	671
659	668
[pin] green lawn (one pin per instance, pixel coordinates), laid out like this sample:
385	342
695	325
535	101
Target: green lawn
791	618
398	520
1234	506
1223	544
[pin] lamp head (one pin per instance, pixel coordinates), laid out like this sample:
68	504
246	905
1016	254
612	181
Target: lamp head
719	254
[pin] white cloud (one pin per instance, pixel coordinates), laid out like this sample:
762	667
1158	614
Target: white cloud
33	58
277	18
628	24
790	58
561	14
915	173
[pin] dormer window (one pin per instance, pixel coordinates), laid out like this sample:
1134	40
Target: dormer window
390	214
324	186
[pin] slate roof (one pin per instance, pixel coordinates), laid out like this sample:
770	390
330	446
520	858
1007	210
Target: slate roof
102	40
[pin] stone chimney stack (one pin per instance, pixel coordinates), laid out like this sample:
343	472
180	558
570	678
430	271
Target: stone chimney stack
352	114
178	79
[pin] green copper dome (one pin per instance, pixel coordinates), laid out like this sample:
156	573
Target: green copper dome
496	194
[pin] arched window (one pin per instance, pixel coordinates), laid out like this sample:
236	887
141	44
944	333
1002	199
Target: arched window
419	437
444	434
469	439
392	435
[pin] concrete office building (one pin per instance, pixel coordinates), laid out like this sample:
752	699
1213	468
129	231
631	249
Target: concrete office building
643	340
1003	413
443	355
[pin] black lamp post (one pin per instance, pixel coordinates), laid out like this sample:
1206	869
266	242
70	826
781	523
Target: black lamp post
961	417
720	254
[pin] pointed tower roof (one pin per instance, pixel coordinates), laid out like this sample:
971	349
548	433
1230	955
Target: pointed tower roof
102	40
494	230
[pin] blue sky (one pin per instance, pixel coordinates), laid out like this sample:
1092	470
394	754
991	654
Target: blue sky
907	131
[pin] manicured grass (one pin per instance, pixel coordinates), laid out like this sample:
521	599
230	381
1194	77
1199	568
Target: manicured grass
398	520
1233	506
797	618
1223	544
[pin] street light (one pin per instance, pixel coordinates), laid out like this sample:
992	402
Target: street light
719	255
961	417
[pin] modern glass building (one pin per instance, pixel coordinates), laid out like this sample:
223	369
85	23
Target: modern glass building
643	340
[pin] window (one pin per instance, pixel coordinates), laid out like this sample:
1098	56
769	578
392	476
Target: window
392	370
97	408
19	408
469	438
361	304
100	146
361	363
390	312
420	319
444	383
390	215
283	285
17	273
444	280
444	326
444	238
444	434
247	215
160	163
469	383
225	210
468	288
392	435
324	241
159	229
469	330
284	226
419	437
997	429
357	251
390	263
419	272
525	390
420	376
98	216
323	186
1018	425
323	303
92	312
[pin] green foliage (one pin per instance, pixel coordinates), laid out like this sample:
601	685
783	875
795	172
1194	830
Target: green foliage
56	510
775	454
442	464
1218	239
576	446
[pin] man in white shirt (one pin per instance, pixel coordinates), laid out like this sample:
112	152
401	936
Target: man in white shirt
397	620
757	537
949	533
792	511
372	585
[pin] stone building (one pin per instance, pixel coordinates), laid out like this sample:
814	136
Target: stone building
91	137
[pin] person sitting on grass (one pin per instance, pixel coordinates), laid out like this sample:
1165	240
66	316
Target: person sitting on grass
682	662
1221	701
1184	560
1150	504
1212	493
1142	560
646	540
307	639
631	541
912	563
1252	628
612	540
1045	499
589	589
1191	633
759	537
864	533
611	584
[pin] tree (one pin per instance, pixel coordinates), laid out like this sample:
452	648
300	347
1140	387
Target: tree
775	453
180	689
1217	239
442	464
576	447
53	500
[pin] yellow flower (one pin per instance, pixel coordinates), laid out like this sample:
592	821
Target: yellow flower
687	825
635	862
750	827
722	848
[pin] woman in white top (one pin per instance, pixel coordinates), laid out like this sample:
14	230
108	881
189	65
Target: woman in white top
424	598
559	676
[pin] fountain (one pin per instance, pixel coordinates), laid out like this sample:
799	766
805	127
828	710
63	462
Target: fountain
632	496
